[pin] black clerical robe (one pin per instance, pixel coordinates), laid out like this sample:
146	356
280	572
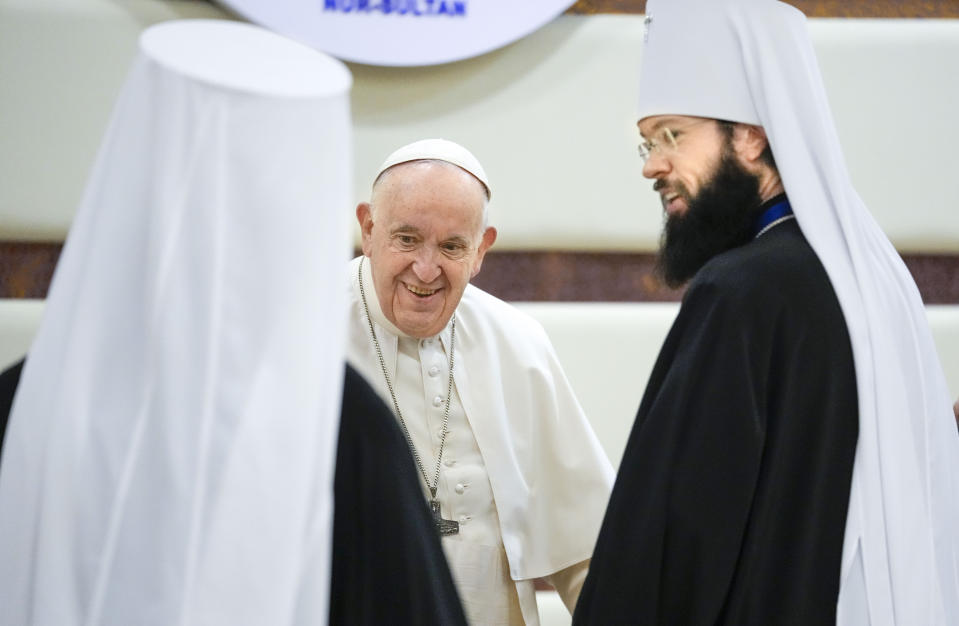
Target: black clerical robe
388	566
9	380
730	502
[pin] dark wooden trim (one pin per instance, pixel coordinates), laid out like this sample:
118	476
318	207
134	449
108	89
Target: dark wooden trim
630	277
573	277
812	8
27	267
936	275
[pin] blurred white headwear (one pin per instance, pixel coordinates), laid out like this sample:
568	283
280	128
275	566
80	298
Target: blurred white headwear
753	62
171	445
438	150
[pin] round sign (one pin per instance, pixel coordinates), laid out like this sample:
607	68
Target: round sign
401	32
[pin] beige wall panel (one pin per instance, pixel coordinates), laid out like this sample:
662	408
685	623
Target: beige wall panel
894	90
550	116
944	322
19	320
552	119
607	350
62	63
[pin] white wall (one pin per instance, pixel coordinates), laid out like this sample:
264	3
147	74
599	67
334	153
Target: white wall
550	116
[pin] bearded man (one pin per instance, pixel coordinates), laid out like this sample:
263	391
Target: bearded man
793	459
514	475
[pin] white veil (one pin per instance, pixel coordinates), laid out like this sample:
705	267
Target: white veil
170	452
752	61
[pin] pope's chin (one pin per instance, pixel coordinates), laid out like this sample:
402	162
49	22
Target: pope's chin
418	316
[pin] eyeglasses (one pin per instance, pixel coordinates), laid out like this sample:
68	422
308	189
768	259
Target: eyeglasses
665	141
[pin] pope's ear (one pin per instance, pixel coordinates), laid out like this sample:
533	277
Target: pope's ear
364	215
489	237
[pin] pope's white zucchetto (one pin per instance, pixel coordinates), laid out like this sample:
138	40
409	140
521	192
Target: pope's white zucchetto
752	61
437	150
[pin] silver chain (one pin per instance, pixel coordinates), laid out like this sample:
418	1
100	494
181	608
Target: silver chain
389	385
773	223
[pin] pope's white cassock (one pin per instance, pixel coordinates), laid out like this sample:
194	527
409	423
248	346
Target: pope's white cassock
522	473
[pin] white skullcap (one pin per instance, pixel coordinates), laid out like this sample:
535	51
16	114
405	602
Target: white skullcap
438	150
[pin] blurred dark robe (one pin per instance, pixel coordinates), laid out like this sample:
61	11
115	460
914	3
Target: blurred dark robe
388	566
730	502
9	379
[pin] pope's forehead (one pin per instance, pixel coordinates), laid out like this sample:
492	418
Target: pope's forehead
425	174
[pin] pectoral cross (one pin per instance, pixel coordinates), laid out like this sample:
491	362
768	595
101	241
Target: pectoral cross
443	526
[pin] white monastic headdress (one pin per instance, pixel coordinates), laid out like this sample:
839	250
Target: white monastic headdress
752	61
171	446
438	150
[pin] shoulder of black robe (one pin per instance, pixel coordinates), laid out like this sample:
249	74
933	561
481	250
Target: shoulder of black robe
9	379
730	502
388	565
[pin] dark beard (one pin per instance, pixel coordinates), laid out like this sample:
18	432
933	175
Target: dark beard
721	217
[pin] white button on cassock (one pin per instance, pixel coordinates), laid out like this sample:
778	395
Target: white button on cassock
434	371
449	462
438	400
460	488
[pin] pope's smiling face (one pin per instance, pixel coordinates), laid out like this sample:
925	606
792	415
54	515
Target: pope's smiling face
423	233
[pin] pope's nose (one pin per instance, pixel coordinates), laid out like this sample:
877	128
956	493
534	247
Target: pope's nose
425	267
